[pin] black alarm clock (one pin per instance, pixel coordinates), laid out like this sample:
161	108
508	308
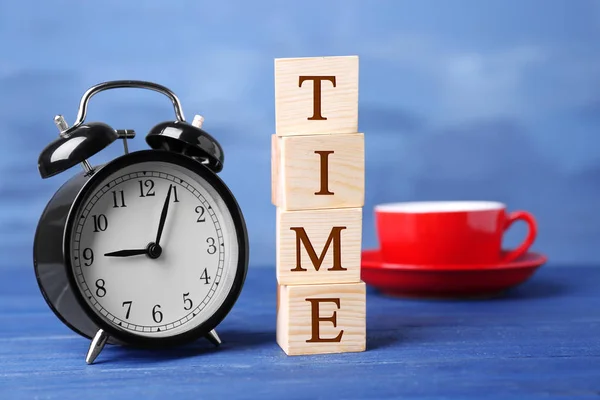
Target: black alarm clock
148	250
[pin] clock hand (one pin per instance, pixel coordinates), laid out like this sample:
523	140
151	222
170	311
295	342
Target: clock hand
127	253
153	250
163	217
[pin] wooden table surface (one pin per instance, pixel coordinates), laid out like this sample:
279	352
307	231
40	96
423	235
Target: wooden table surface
542	340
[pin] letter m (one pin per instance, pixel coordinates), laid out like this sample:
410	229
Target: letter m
334	237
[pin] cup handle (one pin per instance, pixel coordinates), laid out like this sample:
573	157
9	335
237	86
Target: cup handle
531	235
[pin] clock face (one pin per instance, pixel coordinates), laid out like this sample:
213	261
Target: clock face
193	274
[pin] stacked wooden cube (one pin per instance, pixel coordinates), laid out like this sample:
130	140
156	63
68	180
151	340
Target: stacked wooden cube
318	185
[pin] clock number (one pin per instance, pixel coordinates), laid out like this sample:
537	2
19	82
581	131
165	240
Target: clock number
157	316
212	249
205	276
127	303
100	290
88	255
187	301
118	199
148	184
100	222
176	200
200	210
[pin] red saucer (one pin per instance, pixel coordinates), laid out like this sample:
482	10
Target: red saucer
444	281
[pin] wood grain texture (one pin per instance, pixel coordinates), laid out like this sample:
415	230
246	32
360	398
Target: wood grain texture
276	184
306	315
341	227
294	104
538	341
299	164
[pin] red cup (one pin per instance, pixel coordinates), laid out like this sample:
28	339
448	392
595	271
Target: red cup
448	232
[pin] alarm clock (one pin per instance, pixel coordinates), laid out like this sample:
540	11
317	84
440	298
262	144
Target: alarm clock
148	250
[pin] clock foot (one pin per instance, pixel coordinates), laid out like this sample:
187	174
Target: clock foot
213	337
96	347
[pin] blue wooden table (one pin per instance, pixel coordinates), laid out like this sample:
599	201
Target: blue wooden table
542	340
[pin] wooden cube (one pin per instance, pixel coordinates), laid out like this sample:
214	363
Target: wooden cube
319	319
316	95
315	172
318	246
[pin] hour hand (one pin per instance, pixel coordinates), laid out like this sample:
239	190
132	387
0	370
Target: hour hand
127	253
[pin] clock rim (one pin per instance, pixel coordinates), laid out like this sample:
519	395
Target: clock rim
239	223
74	184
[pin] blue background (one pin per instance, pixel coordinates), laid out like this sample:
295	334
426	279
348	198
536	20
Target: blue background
476	99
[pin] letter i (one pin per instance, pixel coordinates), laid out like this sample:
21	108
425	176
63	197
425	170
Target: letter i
324	172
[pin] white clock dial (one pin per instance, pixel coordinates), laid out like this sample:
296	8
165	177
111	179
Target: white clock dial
190	279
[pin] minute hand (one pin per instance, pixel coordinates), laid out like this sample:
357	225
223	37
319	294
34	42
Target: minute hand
163	216
127	253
